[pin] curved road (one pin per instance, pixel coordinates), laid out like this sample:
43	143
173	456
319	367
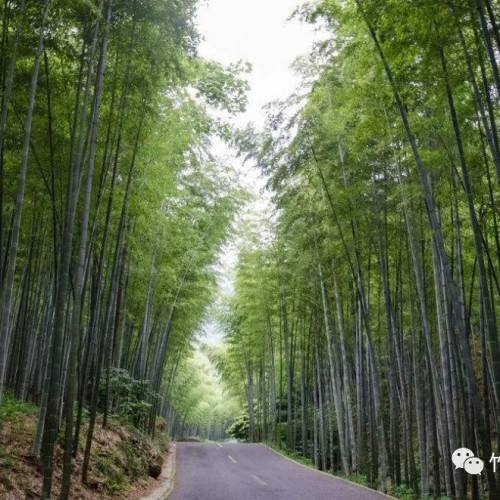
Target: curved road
212	471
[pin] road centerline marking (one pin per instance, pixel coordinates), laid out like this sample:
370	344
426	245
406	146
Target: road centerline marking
232	459
219	445
258	480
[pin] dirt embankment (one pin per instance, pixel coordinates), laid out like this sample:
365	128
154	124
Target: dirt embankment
124	463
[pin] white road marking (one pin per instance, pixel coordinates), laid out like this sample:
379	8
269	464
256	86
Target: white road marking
258	480
232	459
219	445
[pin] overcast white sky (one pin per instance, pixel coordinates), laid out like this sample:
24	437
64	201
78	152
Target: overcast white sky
256	31
259	32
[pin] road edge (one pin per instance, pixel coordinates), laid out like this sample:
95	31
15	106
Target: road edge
327	474
167	477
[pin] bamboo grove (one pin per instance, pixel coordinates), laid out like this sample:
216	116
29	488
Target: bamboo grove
200	405
112	211
365	334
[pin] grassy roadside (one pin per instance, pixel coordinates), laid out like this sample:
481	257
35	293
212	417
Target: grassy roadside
123	460
401	492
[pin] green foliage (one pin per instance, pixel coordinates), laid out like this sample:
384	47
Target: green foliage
222	87
240	428
161	441
201	399
7	461
135	464
403	492
122	199
328	295
376	237
109	467
12	408
358	479
293	455
129	397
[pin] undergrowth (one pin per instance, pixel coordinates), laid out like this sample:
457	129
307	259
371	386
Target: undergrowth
122	457
12	407
294	455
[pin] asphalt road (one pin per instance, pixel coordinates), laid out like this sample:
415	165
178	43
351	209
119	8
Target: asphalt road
212	471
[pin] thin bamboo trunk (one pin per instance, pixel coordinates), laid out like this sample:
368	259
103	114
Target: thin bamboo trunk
333	362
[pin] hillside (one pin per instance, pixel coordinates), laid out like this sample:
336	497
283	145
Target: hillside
124	461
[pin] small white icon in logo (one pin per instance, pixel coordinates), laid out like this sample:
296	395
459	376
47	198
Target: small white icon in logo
474	465
460	456
463	458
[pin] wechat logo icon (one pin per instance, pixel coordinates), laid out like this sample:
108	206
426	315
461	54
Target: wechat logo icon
463	458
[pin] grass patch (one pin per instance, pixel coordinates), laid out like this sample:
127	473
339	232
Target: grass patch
7	461
12	408
403	492
357	478
161	441
293	455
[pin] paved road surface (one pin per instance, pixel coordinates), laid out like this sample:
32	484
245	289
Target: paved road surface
211	471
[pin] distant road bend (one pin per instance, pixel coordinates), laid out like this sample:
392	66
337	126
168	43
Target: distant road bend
212	471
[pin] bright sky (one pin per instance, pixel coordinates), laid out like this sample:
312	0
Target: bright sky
258	32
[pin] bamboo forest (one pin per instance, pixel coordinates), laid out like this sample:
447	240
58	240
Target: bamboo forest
341	305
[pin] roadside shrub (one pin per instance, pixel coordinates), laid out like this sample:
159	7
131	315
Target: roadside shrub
240	429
